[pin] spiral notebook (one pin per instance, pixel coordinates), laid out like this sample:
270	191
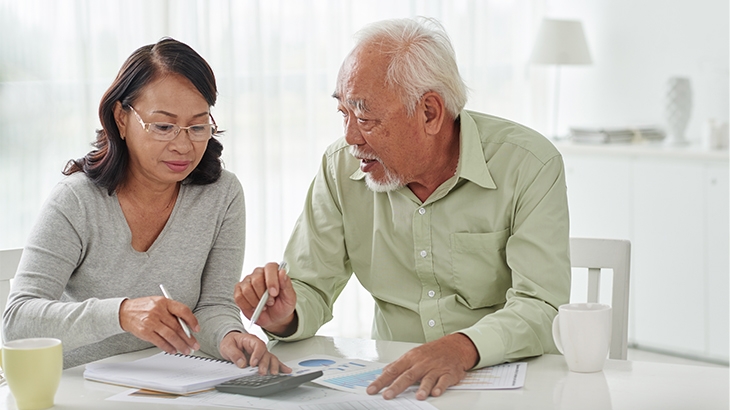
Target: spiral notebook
168	373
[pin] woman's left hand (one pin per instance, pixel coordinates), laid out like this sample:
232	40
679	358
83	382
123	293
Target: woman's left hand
245	349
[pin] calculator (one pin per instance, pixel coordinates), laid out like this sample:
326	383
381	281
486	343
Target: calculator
264	385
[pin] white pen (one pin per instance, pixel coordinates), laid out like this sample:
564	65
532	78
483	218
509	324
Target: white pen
264	299
182	323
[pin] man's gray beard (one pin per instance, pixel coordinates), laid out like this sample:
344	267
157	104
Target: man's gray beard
391	183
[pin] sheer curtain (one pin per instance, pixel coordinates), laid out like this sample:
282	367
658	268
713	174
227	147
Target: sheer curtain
276	63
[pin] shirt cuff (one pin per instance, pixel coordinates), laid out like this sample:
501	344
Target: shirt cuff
489	344
297	335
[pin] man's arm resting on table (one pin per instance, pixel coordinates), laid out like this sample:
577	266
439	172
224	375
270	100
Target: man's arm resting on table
437	365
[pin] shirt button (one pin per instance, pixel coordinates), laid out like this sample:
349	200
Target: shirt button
423	254
431	293
421	211
432	323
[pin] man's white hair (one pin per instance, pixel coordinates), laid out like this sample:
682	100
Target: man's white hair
421	60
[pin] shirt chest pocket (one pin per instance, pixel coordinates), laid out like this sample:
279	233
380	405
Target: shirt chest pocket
481	276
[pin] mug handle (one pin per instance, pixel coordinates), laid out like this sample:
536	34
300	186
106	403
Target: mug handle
556	333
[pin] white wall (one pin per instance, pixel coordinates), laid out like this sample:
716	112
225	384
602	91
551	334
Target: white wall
636	46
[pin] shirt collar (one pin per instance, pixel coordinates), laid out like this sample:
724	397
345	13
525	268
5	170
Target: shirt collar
472	164
357	175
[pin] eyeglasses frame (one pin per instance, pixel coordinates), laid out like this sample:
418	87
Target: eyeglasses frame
176	130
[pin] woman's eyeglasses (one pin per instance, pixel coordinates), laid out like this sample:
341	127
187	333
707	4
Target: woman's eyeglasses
165	131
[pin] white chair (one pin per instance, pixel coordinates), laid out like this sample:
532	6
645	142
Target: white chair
615	254
9	259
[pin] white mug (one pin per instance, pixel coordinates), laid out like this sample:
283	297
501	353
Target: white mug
582	333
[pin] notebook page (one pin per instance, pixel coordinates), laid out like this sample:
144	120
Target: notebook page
179	374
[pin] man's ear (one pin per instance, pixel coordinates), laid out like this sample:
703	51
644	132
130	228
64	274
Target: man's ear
434	112
120	117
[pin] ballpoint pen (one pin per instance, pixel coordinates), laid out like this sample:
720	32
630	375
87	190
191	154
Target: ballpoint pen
264	299
182	323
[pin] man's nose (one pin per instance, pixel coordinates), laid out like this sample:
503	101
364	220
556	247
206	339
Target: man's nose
352	132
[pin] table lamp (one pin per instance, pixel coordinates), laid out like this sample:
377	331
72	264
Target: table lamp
560	42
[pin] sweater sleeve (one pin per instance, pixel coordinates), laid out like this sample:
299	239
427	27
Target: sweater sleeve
216	310
54	249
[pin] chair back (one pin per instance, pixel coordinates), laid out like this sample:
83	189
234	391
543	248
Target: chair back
615	254
9	260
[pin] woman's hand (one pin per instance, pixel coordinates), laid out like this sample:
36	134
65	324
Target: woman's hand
245	349
154	319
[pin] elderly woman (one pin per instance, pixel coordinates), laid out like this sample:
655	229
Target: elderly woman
149	206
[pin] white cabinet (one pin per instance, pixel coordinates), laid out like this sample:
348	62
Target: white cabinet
668	255
672	203
717	181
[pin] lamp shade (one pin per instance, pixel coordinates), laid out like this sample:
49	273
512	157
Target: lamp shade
561	42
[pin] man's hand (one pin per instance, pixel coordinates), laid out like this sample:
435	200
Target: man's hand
437	365
245	349
278	315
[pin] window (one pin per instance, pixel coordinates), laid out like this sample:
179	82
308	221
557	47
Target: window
275	61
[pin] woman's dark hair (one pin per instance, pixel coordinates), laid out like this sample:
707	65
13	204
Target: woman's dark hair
106	165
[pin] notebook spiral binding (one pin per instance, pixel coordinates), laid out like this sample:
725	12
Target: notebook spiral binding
205	359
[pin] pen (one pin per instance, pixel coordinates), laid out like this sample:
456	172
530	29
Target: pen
264	299
182	323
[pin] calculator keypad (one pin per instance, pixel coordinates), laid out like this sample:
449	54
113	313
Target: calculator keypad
258	385
256	380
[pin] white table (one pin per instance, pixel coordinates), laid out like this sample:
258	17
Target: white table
549	384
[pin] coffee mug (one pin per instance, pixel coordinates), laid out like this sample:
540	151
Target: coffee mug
33	369
582	333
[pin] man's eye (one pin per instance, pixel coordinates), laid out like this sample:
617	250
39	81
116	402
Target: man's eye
362	120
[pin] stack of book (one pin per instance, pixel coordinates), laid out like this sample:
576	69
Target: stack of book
610	135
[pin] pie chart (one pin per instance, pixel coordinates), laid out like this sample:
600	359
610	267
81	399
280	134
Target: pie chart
316	363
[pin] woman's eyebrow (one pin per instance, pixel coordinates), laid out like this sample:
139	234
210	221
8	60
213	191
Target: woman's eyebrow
169	114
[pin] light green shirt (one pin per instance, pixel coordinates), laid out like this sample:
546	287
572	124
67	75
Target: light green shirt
485	255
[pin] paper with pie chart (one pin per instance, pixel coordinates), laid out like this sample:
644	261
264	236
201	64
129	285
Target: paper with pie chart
350	375
354	375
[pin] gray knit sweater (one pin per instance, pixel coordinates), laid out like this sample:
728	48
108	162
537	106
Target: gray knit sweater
79	265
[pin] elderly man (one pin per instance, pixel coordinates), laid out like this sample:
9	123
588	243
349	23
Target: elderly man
456	222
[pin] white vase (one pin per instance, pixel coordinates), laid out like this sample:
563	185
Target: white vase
677	109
